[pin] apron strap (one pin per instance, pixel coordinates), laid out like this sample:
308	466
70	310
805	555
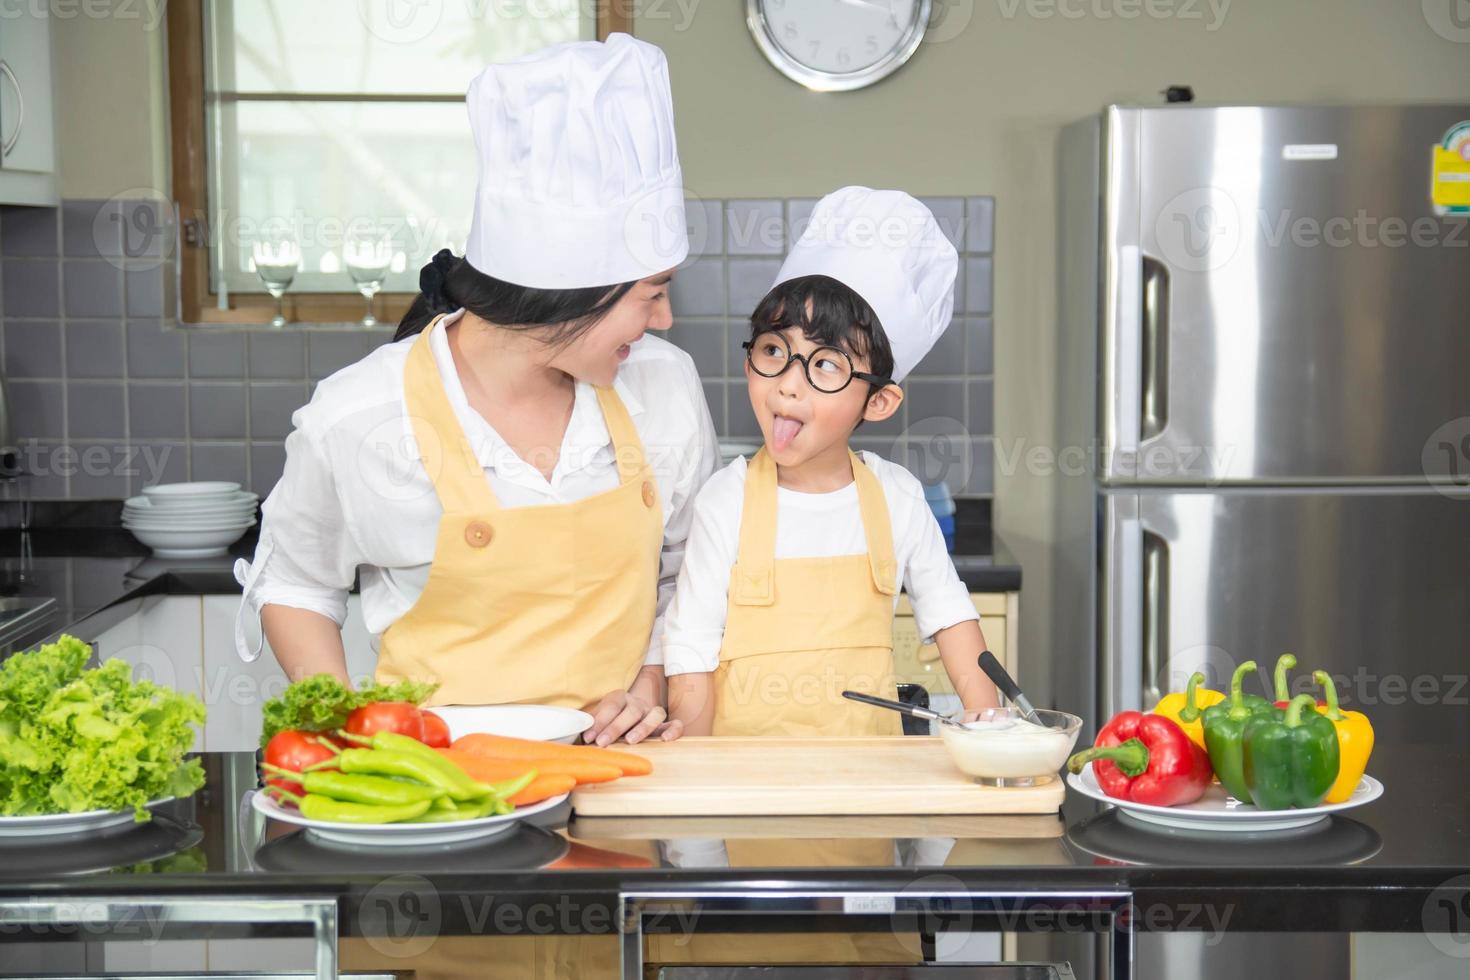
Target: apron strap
627	447
755	562
873	506
447	455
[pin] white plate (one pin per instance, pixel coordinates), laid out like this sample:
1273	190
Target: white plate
188	524
188	505
88	821
1219	812
401	834
539	722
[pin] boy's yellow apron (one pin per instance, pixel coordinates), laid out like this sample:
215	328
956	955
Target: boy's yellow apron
800	631
551	604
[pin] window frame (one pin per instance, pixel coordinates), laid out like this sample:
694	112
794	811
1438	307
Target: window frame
198	303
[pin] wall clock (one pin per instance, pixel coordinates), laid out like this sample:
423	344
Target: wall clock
837	45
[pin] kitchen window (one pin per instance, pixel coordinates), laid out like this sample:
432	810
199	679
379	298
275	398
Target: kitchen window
331	136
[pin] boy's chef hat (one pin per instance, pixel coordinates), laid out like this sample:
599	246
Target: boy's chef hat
579	181
886	247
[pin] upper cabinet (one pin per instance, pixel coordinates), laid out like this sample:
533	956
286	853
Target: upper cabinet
27	126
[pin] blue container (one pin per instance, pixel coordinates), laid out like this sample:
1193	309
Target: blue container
942	504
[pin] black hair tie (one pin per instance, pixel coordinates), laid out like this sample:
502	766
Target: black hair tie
432	277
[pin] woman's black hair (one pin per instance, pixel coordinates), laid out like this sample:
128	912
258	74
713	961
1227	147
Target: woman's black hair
449	282
828	312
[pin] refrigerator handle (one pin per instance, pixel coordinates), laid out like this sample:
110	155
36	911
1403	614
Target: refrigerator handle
1119	409
1155	615
1154	341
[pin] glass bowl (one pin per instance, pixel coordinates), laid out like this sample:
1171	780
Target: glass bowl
999	747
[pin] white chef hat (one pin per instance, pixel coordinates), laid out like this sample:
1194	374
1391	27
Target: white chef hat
886	247
579	181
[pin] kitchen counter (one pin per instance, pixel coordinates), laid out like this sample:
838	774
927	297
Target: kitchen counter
1377	869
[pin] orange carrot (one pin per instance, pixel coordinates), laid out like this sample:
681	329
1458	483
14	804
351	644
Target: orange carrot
487	769
504	747
543	788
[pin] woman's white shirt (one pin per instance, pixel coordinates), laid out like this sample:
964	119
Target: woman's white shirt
355	500
808	525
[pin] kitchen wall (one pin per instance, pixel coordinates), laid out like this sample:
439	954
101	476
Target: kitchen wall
108	393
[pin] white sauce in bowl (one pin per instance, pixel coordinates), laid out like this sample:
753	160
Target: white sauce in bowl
1009	748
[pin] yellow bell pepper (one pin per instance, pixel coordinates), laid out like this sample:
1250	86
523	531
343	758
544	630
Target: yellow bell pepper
1354	741
1185	707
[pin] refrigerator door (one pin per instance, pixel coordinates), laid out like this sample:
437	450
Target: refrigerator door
1369	586
1281	304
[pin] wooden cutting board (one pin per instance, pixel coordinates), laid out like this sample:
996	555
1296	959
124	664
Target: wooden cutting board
804	776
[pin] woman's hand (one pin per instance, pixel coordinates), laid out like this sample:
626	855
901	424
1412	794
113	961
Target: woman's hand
634	714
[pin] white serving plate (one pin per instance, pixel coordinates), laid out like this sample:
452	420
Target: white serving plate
88	821
539	722
401	834
1219	812
175	494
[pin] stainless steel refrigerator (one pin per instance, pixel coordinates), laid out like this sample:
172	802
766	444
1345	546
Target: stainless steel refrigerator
1264	361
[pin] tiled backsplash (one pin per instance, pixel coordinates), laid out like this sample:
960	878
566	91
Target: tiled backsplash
107	393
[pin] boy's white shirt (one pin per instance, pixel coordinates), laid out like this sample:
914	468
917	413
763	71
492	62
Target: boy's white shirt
808	525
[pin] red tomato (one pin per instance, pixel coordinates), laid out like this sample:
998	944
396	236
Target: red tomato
387	716
295	751
436	731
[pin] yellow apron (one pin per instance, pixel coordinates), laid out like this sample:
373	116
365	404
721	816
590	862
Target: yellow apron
800	631
551	604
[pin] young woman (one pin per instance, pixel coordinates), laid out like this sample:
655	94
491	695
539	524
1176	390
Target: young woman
511	480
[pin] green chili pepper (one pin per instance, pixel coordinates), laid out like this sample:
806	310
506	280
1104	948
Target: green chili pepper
385	762
510	787
1291	756
469	811
374	790
394	742
326	809
1224	725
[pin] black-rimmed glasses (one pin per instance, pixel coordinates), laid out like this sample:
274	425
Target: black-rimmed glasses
827	369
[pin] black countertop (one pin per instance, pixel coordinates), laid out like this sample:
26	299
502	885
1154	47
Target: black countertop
1384	867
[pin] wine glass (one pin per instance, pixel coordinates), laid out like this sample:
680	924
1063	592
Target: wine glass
368	257
276	261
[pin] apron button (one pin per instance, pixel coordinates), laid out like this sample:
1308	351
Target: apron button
649	494
477	534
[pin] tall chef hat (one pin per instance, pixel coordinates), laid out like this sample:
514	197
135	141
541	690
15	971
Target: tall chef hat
887	248
579	181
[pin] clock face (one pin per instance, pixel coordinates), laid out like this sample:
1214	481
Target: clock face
838	44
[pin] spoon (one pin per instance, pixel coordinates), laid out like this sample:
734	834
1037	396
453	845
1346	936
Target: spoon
899	706
1007	686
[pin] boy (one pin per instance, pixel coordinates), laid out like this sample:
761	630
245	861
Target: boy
793	566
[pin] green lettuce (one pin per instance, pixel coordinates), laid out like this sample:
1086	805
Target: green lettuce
73	739
322	703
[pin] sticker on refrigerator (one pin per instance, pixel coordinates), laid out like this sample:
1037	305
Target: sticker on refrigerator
1449	188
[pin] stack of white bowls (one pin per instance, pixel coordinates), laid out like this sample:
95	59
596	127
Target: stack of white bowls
190	520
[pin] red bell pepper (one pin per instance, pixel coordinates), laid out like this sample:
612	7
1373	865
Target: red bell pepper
1146	758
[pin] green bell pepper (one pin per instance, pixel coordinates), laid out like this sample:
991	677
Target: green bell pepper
1291	756
1224	725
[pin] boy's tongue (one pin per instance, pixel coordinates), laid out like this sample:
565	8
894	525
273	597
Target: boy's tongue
783	430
